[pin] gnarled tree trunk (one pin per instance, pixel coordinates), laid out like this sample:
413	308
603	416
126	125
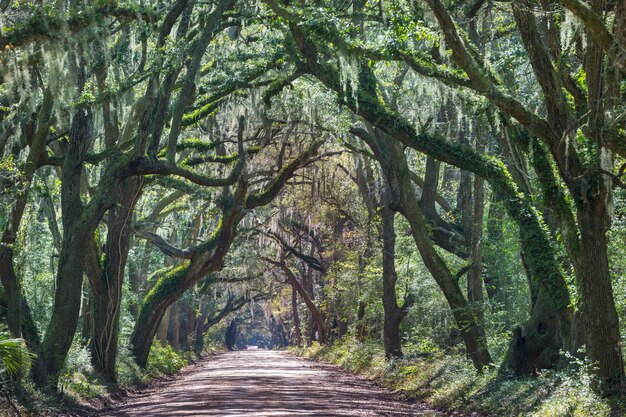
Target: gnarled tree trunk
77	229
600	317
393	162
393	313
107	290
297	331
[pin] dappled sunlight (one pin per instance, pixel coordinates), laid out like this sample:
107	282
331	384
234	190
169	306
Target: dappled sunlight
266	383
428	194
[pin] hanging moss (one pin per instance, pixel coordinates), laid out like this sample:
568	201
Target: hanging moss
49	23
220	159
538	249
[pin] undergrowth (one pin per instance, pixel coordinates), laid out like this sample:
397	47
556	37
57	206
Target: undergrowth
80	386
449	382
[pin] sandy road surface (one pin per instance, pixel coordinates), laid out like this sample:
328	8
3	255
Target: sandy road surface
265	383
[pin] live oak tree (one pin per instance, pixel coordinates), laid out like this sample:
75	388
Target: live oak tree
577	117
132	126
158	141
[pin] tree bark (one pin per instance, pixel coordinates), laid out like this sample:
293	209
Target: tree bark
76	232
475	286
173	282
601	320
9	279
108	289
209	256
393	162
296	317
393	313
153	311
86	310
173	326
450	237
198	338
318	318
541	256
493	276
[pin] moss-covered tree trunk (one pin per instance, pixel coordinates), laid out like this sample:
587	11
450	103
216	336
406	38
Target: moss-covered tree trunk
380	204
297	330
474	230
548	330
77	229
538	248
584	176
393	313
173	282
35	134
395	169
598	306
209	256
169	287
107	290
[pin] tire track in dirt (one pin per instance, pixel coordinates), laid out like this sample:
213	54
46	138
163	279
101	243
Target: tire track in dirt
265	383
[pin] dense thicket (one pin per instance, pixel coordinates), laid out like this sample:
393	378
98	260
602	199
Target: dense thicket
431	174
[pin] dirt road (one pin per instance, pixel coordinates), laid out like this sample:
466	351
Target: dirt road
265	383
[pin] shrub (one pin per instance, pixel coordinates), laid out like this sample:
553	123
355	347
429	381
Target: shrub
164	359
128	372
78	379
449	382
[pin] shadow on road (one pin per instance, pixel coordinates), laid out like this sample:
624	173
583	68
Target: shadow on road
266	383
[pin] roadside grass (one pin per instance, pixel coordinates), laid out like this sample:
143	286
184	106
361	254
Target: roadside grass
448	382
81	388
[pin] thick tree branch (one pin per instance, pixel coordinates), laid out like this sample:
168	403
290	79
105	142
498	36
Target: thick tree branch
185	94
595	26
164	246
272	189
547	76
309	260
39	27
482	83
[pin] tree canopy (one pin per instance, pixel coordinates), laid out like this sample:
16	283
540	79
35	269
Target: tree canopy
427	173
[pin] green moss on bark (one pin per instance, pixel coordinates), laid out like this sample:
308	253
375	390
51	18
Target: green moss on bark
169	281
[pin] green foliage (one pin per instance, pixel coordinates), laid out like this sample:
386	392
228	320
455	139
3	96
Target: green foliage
127	370
420	346
164	359
449	382
34	259
617	257
78	378
386	65
14	355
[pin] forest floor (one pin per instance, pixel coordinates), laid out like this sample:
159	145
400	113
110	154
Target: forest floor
448	382
265	383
